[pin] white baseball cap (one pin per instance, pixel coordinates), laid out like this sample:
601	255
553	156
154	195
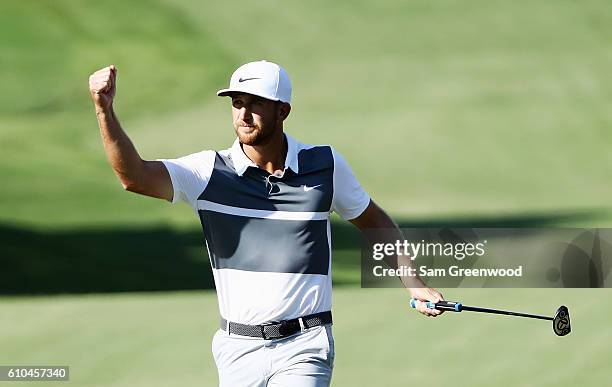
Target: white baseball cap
262	78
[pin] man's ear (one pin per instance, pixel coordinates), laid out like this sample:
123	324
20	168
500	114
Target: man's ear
284	110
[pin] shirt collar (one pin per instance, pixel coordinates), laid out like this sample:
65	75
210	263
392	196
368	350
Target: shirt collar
242	162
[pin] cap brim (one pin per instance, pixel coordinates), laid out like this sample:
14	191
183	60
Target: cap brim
225	92
228	92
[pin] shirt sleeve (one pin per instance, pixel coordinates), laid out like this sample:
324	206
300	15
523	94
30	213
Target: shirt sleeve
350	199
190	175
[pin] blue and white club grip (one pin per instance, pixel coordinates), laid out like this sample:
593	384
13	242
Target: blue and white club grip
442	305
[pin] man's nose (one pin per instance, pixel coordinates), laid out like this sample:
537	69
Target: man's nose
245	113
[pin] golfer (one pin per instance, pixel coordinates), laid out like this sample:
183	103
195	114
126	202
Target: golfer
264	205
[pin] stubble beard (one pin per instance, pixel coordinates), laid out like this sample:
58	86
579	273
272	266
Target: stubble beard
257	136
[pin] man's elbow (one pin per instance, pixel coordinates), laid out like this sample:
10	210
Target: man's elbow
131	179
145	188
374	217
149	178
130	185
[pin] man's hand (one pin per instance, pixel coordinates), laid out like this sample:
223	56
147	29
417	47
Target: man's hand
424	294
102	86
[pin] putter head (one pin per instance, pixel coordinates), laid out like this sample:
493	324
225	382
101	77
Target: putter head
561	321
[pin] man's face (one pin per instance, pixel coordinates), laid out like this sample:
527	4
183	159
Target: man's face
255	118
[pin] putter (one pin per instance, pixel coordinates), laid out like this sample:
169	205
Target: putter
561	320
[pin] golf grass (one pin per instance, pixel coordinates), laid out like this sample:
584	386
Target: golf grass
163	339
464	113
443	109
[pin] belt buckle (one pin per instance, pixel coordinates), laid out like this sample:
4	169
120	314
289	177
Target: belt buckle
263	329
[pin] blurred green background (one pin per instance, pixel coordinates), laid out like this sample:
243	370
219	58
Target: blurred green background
473	113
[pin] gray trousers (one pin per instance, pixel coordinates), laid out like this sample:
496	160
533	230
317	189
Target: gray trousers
305	359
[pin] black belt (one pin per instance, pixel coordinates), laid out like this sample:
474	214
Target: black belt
277	330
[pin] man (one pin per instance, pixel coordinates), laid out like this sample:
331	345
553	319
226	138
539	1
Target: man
264	205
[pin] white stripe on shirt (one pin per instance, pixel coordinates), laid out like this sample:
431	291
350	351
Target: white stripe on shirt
263	214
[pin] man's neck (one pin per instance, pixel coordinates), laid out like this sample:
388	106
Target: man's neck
270	156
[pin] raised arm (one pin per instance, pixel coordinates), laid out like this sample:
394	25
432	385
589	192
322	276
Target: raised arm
145	177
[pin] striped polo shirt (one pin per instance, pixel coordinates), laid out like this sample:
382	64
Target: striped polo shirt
268	236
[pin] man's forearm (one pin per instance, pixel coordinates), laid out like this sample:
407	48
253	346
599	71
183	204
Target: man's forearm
380	228
391	234
121	153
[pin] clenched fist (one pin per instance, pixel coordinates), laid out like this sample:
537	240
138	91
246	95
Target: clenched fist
102	86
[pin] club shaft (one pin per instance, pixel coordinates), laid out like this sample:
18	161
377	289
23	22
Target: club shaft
505	312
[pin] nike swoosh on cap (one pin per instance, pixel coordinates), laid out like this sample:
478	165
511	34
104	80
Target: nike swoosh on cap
246	79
